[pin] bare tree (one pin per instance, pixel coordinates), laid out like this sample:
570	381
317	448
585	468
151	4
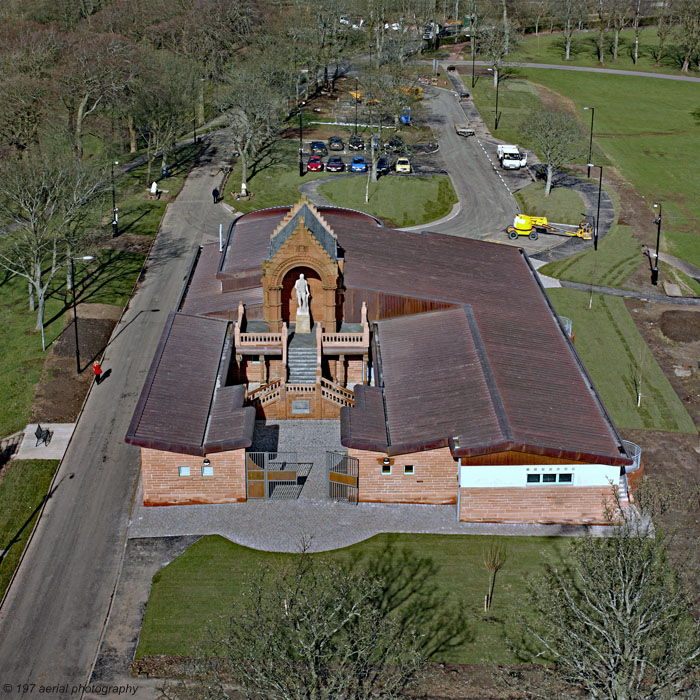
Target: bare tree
664	23
614	620
95	69
687	14
620	11
163	105
307	629
603	12
567	13
494	44
45	202
557	137
253	109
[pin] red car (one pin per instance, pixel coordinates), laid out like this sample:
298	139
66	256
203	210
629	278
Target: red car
314	164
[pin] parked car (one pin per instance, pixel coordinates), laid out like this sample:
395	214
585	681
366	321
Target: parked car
318	148
356	143
403	165
395	143
335	143
314	164
358	165
335	164
382	166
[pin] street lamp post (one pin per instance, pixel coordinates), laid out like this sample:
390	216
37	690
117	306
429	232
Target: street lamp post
301	146
590	142
597	216
115	211
75	311
356	101
655	269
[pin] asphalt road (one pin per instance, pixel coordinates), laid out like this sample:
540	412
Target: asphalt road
487	206
53	617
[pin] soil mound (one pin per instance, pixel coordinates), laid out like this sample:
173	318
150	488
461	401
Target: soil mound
682	326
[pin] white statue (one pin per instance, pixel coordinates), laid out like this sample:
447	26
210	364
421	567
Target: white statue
154	188
301	287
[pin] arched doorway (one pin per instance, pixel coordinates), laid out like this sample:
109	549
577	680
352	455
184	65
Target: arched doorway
289	297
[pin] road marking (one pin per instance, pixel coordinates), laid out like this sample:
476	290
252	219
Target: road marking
496	170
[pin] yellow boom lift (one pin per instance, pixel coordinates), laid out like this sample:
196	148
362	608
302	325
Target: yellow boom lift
531	226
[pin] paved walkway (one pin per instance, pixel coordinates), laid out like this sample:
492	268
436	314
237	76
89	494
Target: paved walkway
28	449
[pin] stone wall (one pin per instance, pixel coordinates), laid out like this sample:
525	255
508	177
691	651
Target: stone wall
162	485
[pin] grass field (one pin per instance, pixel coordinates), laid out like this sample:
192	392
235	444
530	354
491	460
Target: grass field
615	355
398	201
139	215
405	201
563	206
617	257
200	584
550	48
107	280
21	493
643	125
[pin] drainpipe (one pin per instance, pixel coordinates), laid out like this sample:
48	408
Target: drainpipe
284	352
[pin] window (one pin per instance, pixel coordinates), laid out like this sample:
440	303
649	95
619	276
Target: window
386	468
207	470
183	471
408	469
551	478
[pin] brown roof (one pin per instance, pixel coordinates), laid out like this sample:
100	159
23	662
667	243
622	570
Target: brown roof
180	409
496	371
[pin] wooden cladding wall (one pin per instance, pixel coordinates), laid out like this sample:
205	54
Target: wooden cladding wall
511	457
382	305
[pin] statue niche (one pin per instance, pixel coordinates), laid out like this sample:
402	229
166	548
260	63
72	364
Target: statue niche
291	305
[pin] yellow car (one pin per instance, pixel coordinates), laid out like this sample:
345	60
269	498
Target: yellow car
403	165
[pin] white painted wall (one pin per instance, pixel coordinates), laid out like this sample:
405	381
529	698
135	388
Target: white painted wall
516	475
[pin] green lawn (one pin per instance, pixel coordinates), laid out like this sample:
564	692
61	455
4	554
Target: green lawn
617	257
550	48
200	584
398	201
21	494
140	215
401	201
108	279
563	206
613	352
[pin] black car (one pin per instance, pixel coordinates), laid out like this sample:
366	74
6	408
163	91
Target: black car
335	164
318	148
382	166
335	143
395	143
356	143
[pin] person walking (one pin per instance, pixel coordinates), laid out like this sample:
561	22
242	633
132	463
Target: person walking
215	195
97	371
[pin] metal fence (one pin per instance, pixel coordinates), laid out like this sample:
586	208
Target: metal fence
342	477
274	475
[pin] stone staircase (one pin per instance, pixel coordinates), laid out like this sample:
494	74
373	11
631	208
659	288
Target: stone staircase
301	362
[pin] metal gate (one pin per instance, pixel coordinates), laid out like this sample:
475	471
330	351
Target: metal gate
272	475
342	477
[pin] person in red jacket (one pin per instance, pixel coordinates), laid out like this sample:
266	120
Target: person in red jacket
97	371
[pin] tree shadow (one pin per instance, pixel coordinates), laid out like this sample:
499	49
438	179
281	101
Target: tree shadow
410	595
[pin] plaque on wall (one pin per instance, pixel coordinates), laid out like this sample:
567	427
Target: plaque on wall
301	406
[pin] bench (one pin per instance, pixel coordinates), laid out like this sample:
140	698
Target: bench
42	435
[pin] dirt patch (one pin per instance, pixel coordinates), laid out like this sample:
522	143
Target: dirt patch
439	682
130	242
553	100
60	394
683	326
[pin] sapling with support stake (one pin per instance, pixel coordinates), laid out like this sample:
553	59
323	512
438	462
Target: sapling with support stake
494	557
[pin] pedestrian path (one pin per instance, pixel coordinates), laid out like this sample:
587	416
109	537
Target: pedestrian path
28	449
